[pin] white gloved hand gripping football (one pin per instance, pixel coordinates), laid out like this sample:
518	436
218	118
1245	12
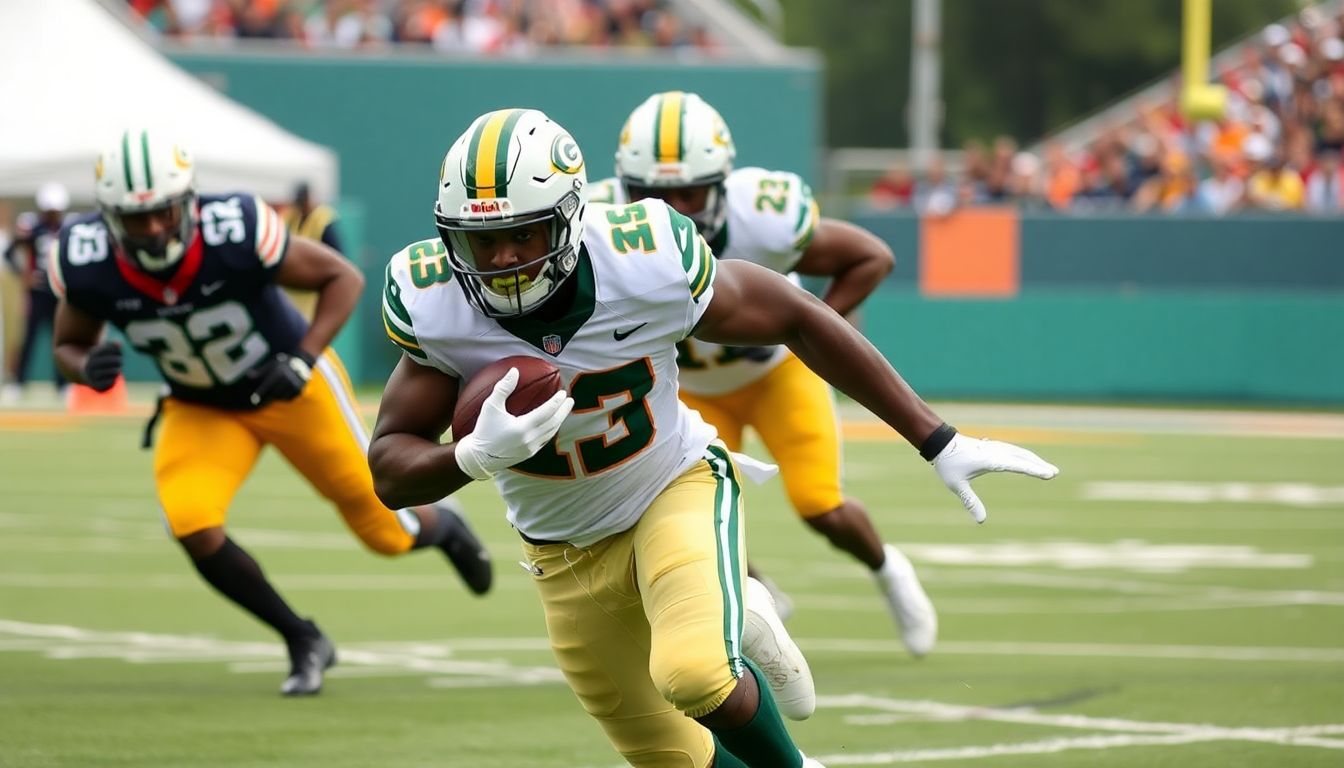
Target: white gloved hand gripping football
963	459
501	439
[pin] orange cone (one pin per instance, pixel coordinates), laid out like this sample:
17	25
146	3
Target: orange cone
86	400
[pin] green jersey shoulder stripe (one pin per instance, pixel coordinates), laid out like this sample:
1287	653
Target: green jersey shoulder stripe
705	277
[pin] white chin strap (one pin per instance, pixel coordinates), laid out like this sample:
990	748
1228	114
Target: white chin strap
171	255
532	294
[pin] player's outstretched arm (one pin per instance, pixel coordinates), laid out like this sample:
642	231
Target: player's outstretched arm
80	357
312	266
753	306
855	259
409	464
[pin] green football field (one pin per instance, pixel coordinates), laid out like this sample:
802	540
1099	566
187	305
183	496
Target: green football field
1174	598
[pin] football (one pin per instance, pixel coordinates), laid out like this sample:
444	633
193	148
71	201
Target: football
538	379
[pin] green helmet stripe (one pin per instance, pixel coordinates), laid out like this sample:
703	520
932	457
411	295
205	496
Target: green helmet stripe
502	154
126	159
488	154
669	127
144	156
472	148
658	124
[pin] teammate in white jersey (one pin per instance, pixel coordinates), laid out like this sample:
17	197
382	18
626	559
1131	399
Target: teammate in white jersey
628	507
677	148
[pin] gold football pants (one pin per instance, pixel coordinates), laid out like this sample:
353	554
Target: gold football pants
647	624
793	411
204	454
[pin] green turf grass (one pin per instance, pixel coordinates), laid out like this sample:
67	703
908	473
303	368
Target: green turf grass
434	677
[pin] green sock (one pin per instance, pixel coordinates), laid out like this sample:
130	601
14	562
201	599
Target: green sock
761	743
725	759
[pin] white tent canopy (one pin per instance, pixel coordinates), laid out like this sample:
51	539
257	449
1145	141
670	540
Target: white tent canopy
75	76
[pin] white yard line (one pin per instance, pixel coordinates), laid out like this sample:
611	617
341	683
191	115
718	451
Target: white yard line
442	667
1090	650
57	641
1124	733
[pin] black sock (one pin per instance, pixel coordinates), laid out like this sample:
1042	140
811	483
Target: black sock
234	573
433	532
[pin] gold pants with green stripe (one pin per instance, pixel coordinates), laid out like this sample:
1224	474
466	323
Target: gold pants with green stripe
647	624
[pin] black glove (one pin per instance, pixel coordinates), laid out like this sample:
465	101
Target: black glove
754	354
283	377
102	365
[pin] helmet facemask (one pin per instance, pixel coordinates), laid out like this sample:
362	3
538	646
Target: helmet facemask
510	292
708	220
155	253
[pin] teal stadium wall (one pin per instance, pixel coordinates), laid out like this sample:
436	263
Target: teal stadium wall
1243	309
1129	308
391	119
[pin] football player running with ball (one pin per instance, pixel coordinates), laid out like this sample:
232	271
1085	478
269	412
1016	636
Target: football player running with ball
677	148
630	510
193	281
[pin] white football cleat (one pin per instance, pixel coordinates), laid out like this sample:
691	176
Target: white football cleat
907	602
783	603
768	645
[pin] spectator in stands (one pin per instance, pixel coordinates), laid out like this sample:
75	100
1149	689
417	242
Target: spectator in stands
936	194
35	236
1222	192
1272	185
1062	178
1325	185
896	189
476	26
1170	190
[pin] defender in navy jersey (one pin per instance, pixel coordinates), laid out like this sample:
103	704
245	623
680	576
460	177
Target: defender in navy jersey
193	281
220	298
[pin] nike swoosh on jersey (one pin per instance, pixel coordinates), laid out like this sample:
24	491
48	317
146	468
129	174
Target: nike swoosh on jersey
206	290
620	335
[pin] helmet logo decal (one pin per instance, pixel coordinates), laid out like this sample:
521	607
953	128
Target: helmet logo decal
180	158
668	126
487	208
721	135
98	170
565	154
488	155
625	134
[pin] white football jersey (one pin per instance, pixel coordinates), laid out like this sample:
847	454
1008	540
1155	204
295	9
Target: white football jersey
771	219
643	280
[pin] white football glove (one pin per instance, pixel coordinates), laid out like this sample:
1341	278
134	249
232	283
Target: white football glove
966	458
501	439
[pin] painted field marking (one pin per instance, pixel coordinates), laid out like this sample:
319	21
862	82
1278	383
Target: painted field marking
1116	732
1126	554
1186	492
62	642
1089	650
58	641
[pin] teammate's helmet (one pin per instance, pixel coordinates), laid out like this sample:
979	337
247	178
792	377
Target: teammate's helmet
143	172
673	140
512	167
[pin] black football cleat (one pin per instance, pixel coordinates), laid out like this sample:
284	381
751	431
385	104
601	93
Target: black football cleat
466	552
309	657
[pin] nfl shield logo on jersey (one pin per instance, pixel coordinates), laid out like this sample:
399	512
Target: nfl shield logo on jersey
552	344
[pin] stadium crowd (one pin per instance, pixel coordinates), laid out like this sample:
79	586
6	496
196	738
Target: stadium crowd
449	26
1276	148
